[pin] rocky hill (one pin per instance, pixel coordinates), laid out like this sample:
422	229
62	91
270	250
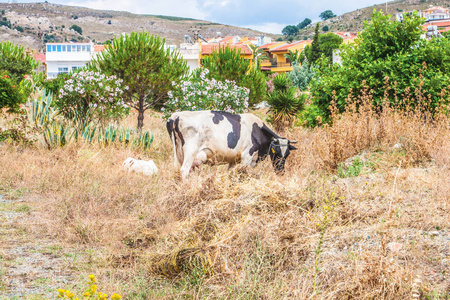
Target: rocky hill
32	24
354	21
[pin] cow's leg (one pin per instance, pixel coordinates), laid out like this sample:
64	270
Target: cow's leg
189	157
248	160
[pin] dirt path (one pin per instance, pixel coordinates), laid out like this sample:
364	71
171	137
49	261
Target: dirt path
31	267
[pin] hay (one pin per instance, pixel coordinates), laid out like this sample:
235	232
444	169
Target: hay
184	260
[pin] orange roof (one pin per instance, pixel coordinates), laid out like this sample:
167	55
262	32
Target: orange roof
98	48
438	24
266	46
346	35
288	46
208	49
40	57
227	39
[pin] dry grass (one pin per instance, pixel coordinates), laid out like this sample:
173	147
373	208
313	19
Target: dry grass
248	233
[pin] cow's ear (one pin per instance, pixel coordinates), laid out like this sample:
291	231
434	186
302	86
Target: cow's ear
292	147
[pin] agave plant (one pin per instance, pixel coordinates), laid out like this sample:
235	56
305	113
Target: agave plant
143	140
284	103
55	134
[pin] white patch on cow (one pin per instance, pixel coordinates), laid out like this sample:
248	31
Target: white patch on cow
284	143
140	166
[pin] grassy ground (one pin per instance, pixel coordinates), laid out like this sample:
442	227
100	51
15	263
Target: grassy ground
353	218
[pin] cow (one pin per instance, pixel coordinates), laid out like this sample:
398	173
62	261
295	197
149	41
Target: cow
140	166
221	137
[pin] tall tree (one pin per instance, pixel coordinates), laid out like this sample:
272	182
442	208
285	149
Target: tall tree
228	64
145	67
290	30
304	23
327	14
315	54
326	43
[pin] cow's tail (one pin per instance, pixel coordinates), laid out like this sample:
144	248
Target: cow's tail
170	124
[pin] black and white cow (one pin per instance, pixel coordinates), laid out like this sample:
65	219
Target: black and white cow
220	137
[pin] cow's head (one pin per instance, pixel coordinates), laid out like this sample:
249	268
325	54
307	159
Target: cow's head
279	150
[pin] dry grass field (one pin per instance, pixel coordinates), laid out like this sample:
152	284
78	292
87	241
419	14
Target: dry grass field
362	212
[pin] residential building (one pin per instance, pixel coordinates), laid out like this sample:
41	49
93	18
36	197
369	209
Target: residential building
348	37
279	63
266	65
191	55
436	13
66	57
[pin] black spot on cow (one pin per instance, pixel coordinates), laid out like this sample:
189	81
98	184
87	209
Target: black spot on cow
177	130
261	138
218	116
169	126
235	121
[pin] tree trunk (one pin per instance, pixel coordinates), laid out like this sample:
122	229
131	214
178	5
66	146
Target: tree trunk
141	115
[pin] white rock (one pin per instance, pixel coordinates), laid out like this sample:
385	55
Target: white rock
140	166
394	247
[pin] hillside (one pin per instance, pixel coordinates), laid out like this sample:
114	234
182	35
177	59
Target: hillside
354	21
54	21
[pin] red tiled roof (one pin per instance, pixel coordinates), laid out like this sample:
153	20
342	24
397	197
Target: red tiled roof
98	48
266	46
346	35
438	24
227	39
40	57
208	49
288	46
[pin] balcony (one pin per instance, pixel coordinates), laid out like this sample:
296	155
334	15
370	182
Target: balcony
281	64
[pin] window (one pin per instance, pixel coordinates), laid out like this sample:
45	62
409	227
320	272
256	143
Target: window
69	48
75	68
63	48
88	47
62	70
83	48
74	48
49	48
58	48
78	48
54	48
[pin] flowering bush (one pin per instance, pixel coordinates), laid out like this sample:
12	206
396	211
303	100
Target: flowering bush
202	93
89	96
10	93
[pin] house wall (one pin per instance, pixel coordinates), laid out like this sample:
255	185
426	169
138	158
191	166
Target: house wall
60	60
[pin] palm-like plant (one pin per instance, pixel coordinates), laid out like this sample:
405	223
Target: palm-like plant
293	56
284	103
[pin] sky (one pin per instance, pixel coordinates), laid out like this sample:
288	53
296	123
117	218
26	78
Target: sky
265	15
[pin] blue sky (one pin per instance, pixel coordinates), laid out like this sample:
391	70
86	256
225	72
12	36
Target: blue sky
265	15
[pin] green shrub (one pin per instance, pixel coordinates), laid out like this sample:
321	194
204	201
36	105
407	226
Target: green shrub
283	101
390	62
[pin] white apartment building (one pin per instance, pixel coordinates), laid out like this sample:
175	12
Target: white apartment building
191	55
65	57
